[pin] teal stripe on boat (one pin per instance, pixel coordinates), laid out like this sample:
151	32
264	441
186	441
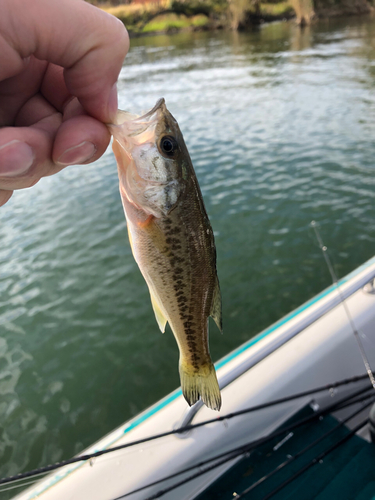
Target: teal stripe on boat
131	426
274	327
163	403
292	315
174	395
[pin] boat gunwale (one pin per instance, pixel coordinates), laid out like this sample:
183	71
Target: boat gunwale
52	479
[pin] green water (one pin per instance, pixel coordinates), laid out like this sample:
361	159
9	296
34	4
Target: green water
280	124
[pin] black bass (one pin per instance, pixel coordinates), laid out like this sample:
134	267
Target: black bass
171	239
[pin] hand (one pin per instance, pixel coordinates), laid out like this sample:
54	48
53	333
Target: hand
59	63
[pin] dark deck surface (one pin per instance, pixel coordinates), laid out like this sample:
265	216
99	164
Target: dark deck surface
346	473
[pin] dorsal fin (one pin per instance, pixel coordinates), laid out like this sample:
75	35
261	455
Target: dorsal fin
162	321
215	312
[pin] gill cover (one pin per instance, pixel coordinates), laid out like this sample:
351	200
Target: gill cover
147	151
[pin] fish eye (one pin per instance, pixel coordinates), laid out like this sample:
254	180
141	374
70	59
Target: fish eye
168	145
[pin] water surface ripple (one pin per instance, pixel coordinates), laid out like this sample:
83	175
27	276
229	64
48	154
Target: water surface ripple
280	124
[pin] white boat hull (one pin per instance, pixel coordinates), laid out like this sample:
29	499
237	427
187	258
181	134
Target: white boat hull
311	347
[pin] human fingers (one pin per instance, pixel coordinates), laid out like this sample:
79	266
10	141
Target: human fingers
5	196
15	92
25	153
25	149
79	139
29	153
87	42
44	147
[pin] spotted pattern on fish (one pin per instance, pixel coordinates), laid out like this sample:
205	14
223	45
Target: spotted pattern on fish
173	244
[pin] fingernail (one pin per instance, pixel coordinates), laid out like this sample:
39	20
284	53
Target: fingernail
113	103
76	155
16	157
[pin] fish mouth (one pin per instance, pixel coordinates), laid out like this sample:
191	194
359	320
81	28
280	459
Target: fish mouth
123	117
160	105
132	130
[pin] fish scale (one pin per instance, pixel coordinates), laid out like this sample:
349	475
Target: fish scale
171	239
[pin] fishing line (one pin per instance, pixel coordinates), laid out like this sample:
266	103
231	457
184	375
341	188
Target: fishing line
180	430
244	449
235	452
22	485
342	300
317	459
301	452
22	482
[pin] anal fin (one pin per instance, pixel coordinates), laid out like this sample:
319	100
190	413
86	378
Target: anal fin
162	321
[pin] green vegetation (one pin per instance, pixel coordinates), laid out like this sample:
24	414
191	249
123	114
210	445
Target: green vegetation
279	9
173	15
149	16
165	15
136	15
210	8
172	22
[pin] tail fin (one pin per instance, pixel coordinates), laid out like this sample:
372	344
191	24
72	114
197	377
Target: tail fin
201	383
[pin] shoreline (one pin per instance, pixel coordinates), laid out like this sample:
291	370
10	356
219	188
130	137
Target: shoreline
178	16
175	16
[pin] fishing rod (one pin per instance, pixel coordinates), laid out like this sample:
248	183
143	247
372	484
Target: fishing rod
180	430
229	455
291	458
243	449
318	458
324	249
44	470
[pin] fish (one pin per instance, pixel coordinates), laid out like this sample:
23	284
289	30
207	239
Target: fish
171	239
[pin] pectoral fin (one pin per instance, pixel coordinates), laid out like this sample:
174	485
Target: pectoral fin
162	321
216	307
